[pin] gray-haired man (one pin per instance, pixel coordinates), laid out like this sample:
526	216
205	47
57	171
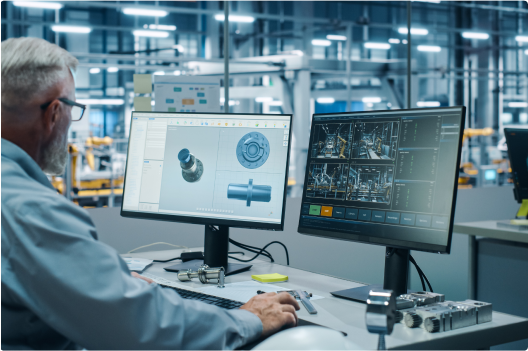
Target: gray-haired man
61	288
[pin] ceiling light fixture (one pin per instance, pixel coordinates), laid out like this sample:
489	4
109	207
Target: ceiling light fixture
414	31
264	99
159	73
150	33
336	37
428	104
475	35
235	18
371	99
275	103
518	104
101	101
394	41
38	4
325	100
95	70
429	48
71	29
522	38
381	46
144	12
112	69
161	27
321	42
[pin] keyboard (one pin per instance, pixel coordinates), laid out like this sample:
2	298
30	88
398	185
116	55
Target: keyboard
195	295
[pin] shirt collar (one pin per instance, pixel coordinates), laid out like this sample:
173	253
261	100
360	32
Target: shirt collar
25	161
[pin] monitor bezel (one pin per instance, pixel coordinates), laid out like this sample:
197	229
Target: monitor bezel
520	193
400	244
212	221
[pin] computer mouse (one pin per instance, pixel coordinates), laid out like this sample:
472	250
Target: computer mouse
307	338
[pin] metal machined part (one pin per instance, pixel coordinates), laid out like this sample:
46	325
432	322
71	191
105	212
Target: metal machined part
484	310
192	168
380	316
204	274
253	150
249	192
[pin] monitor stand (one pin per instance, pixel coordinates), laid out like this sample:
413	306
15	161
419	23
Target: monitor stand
215	253
395	279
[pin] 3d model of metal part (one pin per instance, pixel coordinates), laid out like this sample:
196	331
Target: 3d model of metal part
253	150
249	192
192	168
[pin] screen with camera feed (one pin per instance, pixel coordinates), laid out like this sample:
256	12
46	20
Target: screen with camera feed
386	176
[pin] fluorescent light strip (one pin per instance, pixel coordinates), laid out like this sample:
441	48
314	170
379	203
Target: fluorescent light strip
381	46
150	33
475	35
144	12
526	52
162	27
321	42
38	4
429	48
275	103
112	69
71	29
522	38
325	100
371	99
414	31
428	104
336	37
235	18
101	101
518	104
159	73
95	70
394	41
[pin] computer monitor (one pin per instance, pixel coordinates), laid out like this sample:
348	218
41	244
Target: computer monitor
517	141
385	178
219	170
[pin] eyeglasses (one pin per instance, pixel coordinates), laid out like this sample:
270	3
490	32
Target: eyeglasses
77	109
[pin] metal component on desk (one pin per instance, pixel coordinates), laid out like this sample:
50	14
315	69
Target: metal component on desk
432	324
420	298
204	274
484	310
380	316
303	296
412	320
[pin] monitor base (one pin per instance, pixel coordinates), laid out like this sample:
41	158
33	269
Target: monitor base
232	268
359	294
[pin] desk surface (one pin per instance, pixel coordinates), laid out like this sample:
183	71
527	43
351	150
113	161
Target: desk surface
490	229
349	316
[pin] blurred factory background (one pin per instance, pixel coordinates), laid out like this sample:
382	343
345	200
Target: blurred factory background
299	57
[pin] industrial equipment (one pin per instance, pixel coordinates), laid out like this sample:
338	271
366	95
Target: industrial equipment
332	141
370	183
249	192
192	168
327	180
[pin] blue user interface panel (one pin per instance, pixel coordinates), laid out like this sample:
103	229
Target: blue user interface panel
215	166
385	177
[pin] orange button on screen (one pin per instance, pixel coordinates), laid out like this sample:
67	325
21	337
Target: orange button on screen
326	211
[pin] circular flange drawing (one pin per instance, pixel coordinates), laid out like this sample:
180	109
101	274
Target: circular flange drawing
253	150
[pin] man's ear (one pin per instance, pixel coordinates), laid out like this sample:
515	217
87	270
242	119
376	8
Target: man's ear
51	117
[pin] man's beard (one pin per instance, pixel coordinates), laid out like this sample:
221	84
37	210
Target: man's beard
55	156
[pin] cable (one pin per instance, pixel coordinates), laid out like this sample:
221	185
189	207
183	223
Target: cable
421	274
159	243
252	249
264	248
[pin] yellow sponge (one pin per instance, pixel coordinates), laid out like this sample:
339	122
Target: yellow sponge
270	278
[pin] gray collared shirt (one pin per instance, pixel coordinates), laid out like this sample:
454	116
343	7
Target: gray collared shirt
62	288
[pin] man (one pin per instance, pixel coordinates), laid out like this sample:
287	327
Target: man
61	288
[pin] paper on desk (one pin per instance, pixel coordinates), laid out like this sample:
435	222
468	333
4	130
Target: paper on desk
137	264
244	291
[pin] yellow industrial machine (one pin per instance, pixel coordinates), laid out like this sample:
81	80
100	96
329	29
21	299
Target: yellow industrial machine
468	169
343	147
92	185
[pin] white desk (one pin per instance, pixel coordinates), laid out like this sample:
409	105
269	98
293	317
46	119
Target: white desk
349	316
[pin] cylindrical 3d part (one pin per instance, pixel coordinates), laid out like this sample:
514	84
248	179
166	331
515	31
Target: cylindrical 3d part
249	192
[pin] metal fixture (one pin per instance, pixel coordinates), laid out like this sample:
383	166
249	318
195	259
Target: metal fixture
204	274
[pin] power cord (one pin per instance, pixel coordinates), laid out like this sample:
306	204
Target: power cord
262	251
421	274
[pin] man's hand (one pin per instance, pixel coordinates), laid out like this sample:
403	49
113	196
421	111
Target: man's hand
274	310
136	275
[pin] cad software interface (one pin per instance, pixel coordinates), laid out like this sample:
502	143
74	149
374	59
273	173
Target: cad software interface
388	174
218	166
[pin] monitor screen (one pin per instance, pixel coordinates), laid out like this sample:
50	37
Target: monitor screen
222	169
384	177
517	140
